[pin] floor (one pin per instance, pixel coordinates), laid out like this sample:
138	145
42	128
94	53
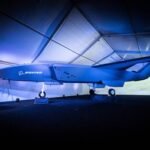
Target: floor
82	118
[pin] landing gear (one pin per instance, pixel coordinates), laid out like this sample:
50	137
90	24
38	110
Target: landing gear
42	94
111	92
92	92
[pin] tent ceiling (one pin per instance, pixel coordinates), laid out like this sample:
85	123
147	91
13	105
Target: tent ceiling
79	31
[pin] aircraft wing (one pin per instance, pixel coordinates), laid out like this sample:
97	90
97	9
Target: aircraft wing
122	65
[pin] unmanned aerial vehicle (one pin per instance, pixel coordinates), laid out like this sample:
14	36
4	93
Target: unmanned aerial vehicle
112	74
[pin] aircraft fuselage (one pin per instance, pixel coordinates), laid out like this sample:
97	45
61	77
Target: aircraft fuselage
64	73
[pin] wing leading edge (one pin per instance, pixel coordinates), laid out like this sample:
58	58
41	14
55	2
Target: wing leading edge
122	65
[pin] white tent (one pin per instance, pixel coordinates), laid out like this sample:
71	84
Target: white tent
77	32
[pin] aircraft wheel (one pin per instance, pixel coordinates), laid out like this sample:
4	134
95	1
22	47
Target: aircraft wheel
111	92
92	92
42	94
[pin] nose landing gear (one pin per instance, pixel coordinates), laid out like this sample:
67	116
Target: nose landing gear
42	94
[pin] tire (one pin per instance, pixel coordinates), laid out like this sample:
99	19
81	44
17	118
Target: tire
42	94
92	92
111	92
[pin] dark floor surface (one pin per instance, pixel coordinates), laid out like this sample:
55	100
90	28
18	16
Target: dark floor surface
82	118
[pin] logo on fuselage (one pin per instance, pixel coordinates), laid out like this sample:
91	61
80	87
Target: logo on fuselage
21	73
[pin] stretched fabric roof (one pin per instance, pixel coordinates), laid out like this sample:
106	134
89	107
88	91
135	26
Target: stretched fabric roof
81	32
